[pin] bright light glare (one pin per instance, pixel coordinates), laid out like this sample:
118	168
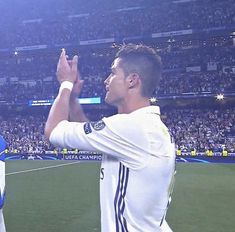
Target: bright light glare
153	100
220	96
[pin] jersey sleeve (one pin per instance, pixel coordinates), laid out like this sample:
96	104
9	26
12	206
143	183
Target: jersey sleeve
117	136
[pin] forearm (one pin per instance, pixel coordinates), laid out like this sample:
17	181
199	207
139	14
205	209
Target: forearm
67	75
59	111
76	113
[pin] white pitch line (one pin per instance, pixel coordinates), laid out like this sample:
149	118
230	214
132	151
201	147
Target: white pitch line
43	168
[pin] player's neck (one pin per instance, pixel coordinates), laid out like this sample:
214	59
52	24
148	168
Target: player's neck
130	105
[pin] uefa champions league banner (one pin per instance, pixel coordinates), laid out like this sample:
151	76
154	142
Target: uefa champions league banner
50	155
94	156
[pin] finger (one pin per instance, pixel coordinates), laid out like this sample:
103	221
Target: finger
63	59
62	55
70	63
75	64
78	76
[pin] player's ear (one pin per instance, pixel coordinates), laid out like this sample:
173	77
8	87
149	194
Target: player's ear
133	80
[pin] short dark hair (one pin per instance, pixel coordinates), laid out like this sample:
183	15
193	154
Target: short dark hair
144	61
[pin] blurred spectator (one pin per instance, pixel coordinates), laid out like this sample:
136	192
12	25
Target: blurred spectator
68	23
202	129
192	129
57	23
32	76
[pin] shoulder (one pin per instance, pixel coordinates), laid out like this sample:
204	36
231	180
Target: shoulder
120	121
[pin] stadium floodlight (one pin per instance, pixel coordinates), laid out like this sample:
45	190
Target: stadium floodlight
220	97
153	100
15	53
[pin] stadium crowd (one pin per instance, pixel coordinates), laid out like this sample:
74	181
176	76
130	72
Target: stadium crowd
24	134
212	82
171	84
191	65
191	128
137	19
197	69
202	129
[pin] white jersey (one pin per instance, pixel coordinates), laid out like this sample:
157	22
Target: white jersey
137	167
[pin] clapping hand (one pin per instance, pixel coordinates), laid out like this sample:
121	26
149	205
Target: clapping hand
67	69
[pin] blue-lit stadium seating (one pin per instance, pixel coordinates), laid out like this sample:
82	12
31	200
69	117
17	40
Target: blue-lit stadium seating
194	38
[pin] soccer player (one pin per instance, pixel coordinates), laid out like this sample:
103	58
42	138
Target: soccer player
138	161
2	182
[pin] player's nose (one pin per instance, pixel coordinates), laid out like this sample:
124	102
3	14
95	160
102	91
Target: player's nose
106	81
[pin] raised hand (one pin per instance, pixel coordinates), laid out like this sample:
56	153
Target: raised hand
67	69
77	87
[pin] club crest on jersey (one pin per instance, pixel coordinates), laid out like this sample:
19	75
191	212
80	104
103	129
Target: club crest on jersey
99	125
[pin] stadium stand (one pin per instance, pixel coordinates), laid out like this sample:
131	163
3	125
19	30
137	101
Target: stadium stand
192	129
75	23
194	39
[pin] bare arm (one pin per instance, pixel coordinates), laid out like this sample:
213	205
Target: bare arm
60	109
76	113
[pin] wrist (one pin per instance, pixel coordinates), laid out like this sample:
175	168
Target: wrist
66	85
73	98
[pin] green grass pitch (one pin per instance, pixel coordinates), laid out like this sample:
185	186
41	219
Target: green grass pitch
66	198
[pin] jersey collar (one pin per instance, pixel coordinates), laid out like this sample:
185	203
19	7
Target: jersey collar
149	110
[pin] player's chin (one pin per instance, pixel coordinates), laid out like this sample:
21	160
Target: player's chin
108	99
